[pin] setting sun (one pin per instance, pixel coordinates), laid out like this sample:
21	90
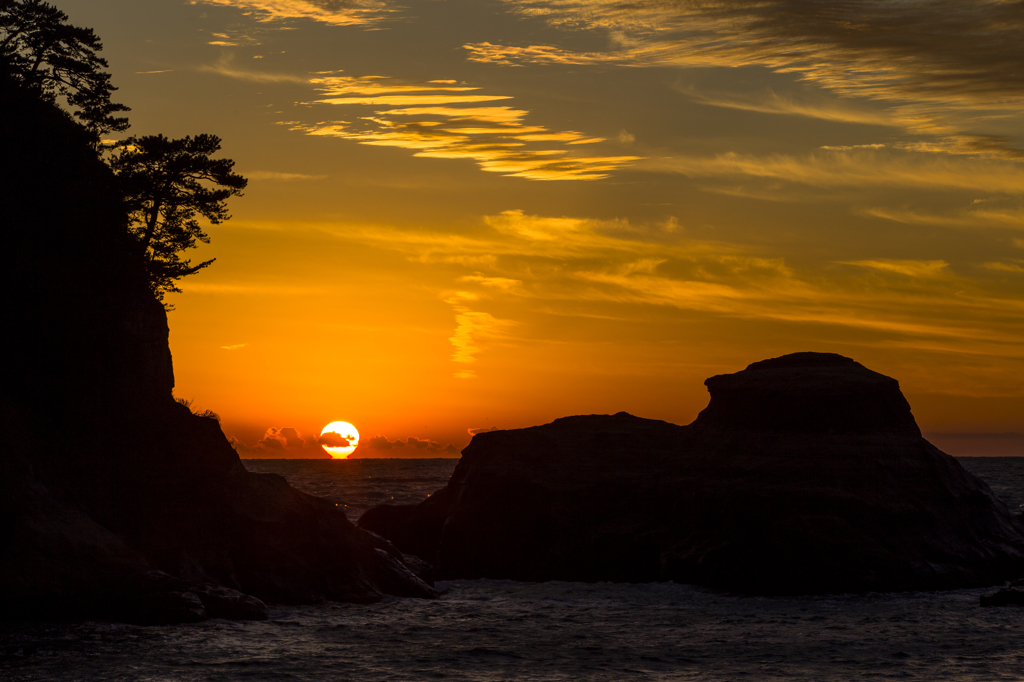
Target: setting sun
339	439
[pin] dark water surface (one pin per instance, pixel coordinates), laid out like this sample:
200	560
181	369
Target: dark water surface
358	484
498	630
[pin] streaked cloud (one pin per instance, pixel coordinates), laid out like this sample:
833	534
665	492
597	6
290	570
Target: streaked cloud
334	12
430	122
235	346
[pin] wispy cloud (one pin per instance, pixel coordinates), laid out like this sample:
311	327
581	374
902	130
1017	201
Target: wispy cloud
235	346
771	102
968	218
1015	267
472	327
225	66
505	284
910	268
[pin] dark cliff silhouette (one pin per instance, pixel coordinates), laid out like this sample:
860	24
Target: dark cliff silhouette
804	474
116	501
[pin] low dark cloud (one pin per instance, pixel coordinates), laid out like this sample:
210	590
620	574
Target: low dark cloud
381	443
473	432
287	442
284	442
280	439
410	447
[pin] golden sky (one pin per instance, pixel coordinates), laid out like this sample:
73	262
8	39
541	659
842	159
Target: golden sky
468	214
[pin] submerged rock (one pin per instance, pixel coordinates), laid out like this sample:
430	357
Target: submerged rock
1008	596
805	474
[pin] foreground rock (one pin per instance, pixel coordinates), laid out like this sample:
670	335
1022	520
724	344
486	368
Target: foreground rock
1011	595
116	501
805	474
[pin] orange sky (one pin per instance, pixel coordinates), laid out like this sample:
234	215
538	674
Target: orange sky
492	213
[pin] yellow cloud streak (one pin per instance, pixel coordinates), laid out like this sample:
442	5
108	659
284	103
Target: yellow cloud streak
499	148
412	100
372	85
349	13
498	115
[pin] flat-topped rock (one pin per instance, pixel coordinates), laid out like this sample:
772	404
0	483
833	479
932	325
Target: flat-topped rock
807	392
805	474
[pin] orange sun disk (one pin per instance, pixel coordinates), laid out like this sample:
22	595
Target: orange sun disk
347	438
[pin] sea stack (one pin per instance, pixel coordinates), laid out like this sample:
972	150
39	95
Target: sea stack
805	474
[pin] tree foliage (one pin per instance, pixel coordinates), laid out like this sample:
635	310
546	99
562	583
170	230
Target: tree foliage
168	185
41	51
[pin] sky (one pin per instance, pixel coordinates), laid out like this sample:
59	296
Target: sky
475	214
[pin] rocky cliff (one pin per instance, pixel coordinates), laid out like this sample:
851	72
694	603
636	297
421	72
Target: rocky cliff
805	474
116	501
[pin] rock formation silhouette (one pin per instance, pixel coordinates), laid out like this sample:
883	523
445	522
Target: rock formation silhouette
116	501
805	474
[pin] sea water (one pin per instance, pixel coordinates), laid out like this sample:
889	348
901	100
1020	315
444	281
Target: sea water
501	630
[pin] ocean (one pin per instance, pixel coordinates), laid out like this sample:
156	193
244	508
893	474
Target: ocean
502	630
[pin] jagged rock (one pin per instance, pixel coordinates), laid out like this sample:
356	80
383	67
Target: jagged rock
397	579
420	568
168	608
805	474
112	495
223	602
